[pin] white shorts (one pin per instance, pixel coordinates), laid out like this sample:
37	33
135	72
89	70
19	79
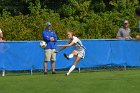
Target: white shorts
80	53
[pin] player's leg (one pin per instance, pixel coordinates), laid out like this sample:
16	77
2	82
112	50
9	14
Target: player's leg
74	53
53	59
79	55
74	65
47	56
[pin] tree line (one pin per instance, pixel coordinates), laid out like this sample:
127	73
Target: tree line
88	19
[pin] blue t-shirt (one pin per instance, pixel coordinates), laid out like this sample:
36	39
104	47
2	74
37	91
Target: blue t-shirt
46	35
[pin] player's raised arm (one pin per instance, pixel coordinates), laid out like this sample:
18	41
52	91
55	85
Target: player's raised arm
60	49
67	45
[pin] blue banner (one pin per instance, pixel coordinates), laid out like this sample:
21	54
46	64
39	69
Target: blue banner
27	55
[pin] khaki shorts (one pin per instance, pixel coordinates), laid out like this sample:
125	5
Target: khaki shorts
49	55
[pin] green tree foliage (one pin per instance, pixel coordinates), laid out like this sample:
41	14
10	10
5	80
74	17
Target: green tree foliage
16	7
88	19
98	5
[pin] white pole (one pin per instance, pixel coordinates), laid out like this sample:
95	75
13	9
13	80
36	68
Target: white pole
3	72
125	67
79	70
31	71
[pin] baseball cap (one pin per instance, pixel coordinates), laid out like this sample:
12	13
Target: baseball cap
0	31
126	21
48	24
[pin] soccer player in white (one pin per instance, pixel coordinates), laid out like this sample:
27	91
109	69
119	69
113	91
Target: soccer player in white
79	50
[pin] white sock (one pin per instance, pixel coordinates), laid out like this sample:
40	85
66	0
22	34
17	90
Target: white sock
71	69
70	56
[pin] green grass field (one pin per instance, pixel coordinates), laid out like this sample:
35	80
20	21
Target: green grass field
90	82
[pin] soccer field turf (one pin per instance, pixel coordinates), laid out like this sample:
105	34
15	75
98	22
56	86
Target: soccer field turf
91	82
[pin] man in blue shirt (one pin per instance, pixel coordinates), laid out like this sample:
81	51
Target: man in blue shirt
49	36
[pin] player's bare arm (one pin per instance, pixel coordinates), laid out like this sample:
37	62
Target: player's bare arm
67	45
60	49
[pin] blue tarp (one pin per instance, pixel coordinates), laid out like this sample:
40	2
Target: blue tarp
26	55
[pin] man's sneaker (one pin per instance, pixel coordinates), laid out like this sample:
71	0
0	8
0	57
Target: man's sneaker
45	73
53	72
66	56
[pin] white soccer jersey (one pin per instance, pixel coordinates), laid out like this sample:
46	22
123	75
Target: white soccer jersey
78	44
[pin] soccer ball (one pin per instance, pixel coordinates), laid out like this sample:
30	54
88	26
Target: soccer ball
43	44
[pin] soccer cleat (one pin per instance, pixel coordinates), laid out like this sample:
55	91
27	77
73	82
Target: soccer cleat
53	72
45	73
66	56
